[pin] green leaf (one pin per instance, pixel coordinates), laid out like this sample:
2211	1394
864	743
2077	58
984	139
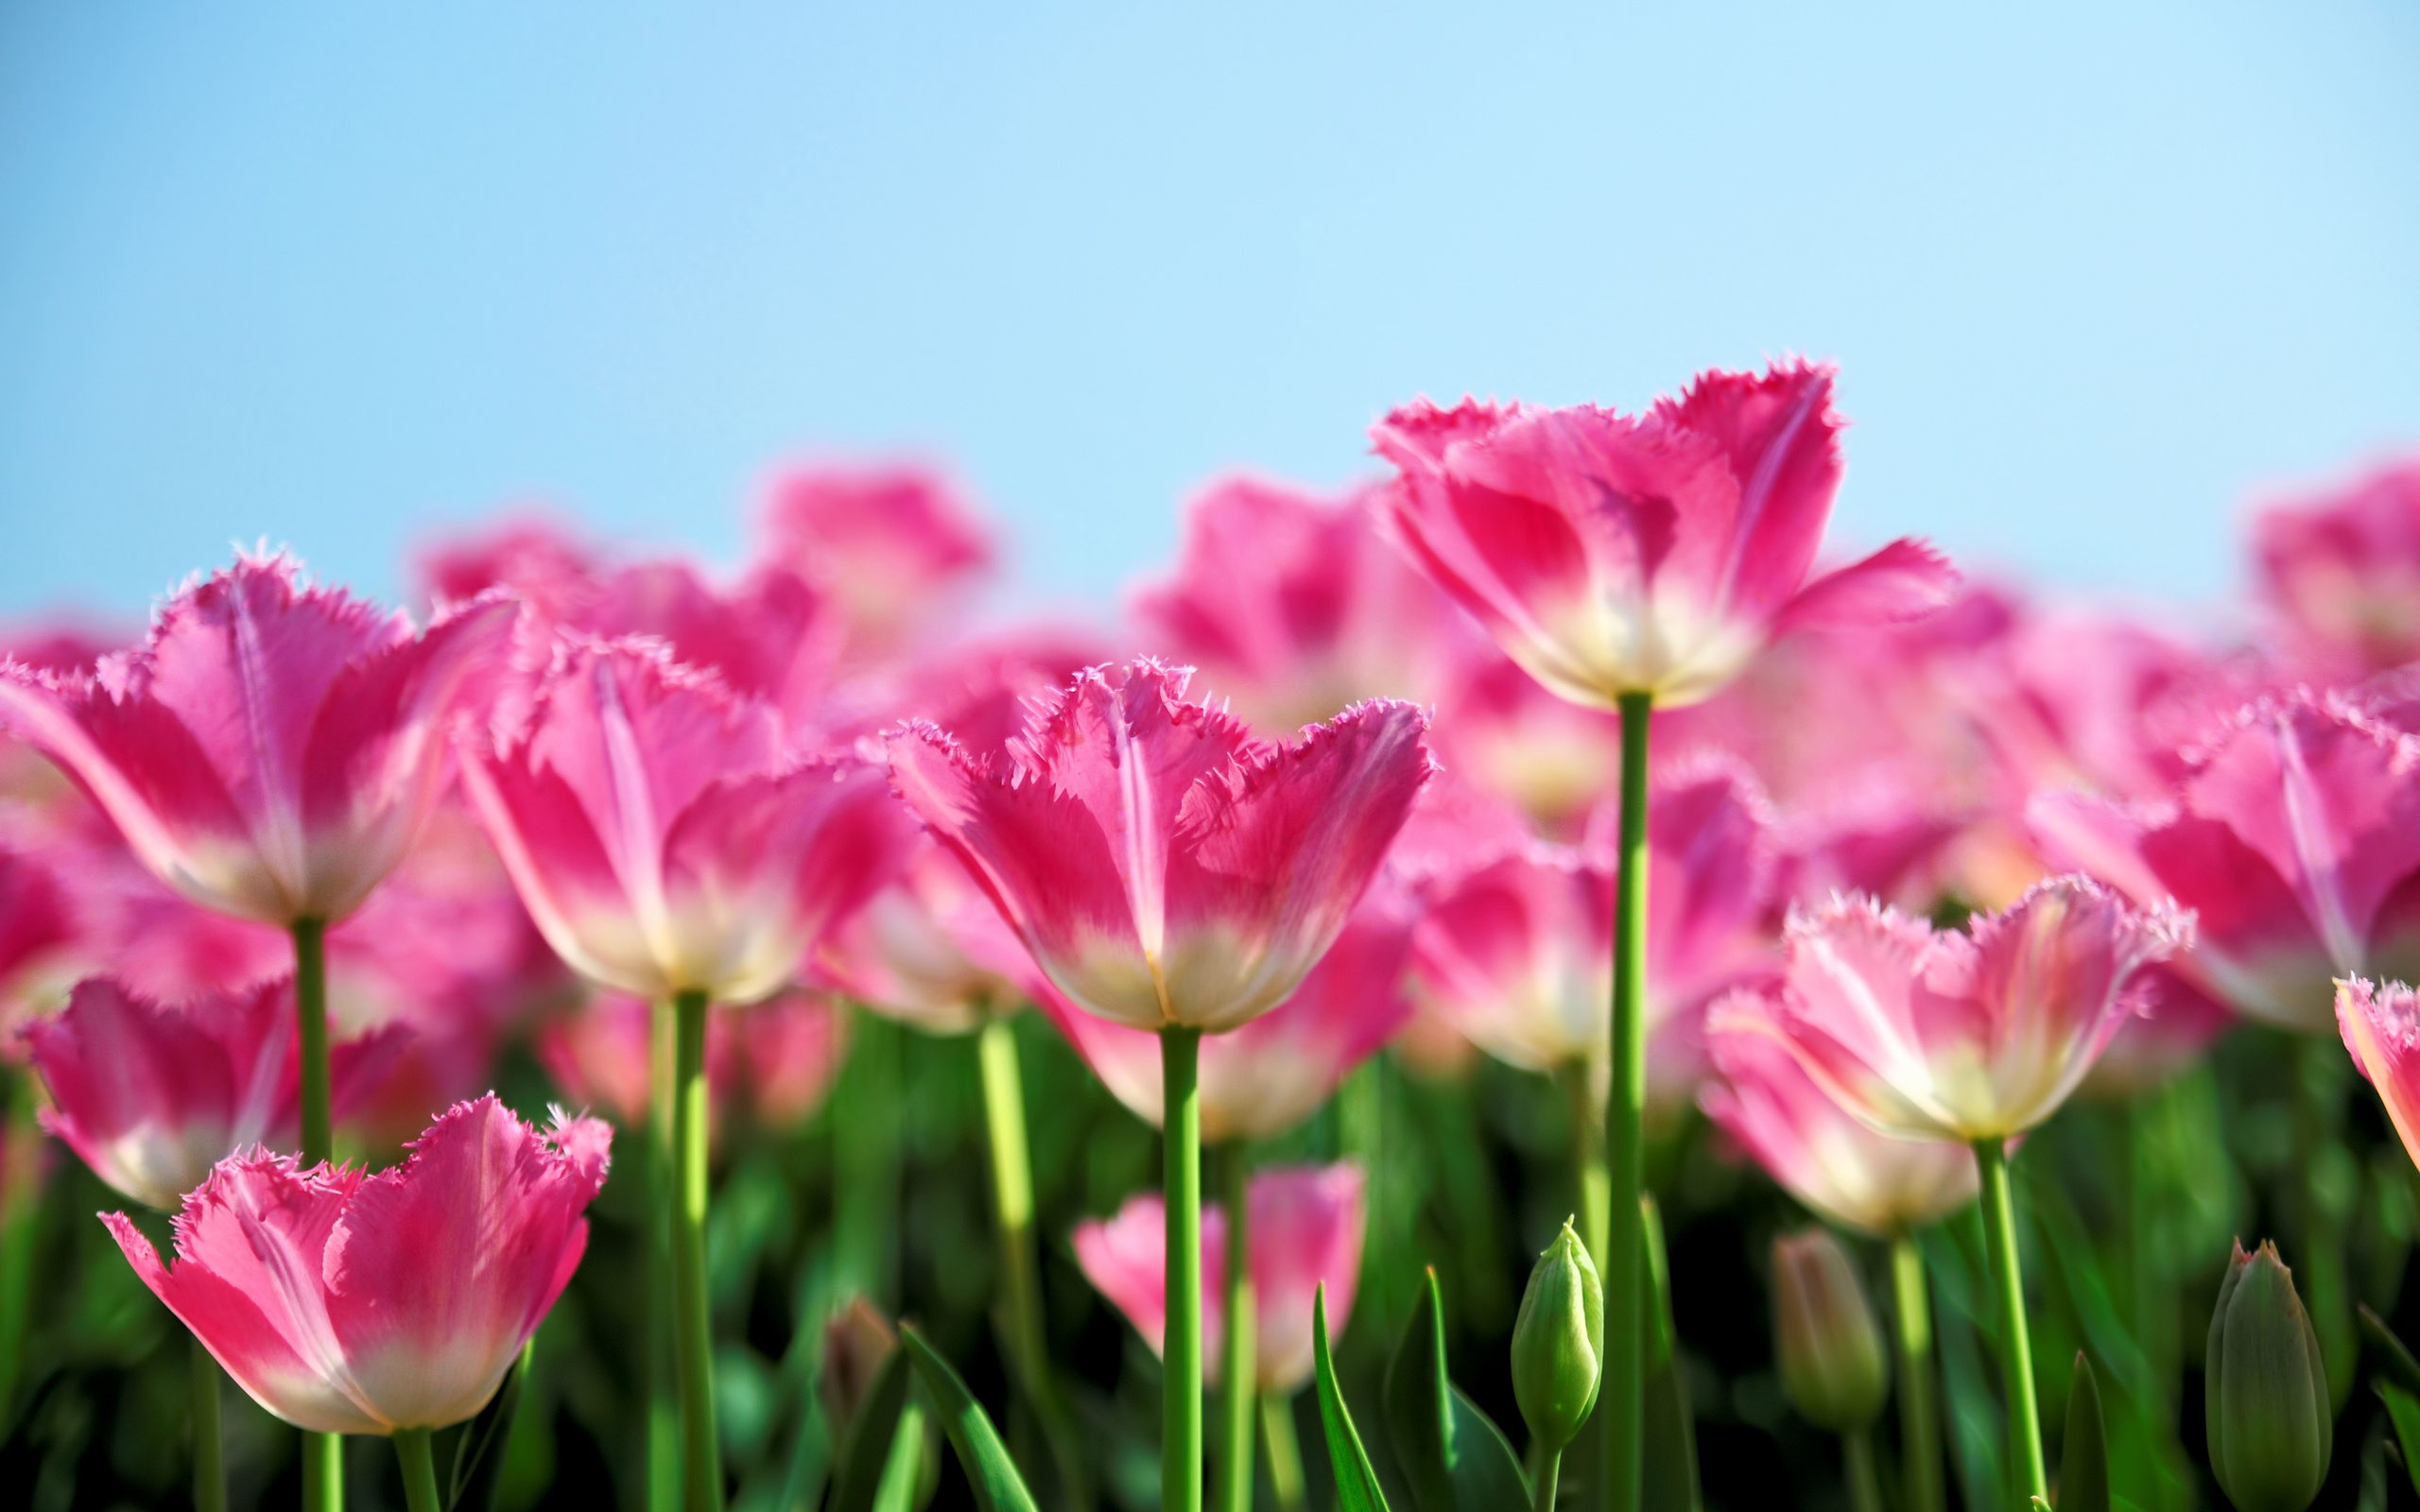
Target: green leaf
866	1444
1356	1483
2399	1365
998	1486
1668	1472
478	1455
2083	1459
1454	1457
2403	1409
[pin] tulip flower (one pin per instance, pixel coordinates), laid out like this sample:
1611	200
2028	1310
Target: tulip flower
2339	575
930	951
1294	606
1170	873
1267	1076
893	544
2270	1427
2297	822
36	924
1830	1355
2380	1022
1305	1224
669	844
1557	1342
390	1304
1972	1035
152	1095
1632	562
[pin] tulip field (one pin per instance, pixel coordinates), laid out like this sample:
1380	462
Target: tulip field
1635	1005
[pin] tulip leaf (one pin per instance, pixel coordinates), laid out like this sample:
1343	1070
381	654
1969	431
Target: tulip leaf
2403	1410
1454	1457
1356	1483
2083	1459
2399	1365
868	1439
994	1475
1669	1470
478	1455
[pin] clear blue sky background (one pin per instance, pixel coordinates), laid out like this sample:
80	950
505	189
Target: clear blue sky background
331	273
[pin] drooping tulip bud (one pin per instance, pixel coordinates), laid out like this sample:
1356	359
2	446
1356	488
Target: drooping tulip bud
1832	1368
2266	1389
1558	1342
855	1343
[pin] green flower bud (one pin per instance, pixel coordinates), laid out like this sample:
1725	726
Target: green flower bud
1832	1365
1558	1342
2266	1389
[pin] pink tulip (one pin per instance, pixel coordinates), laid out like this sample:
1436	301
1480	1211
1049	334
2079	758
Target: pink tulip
1274	1072
1555	760
1294	607
931	952
1163	867
1960	1035
660	833
2179	1023
1515	945
272	749
36	925
893	544
1305	1231
1810	1144
2380	1022
1612	555
350	1303
2341	575
151	1096
2290	838
598	1056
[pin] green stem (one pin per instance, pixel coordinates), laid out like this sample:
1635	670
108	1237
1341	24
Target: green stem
323	1453
1239	1371
1549	1472
1020	1262
209	1455
1285	1451
865	1157
21	1187
1857	1459
1588	1176
420	1470
692	1331
2016	1348
1181	1183
1919	1428
662	1401
1621	1397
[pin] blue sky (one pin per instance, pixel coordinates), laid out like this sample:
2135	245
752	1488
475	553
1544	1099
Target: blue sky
331	275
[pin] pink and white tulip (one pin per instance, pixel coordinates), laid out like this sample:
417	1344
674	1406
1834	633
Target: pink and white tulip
894	545
272	749
2292	838
1967	1034
931	952
1274	1072
662	834
2341	575
1614	555
2380	1022
1513	946
350	1303
1809	1144
152	1095
1162	866
1305	1232
774	1059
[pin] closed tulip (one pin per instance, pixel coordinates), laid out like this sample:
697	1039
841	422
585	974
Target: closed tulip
1825	1340
2265	1389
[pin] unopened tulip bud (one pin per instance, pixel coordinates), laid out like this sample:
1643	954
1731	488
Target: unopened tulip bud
1558	1342
855	1343
1832	1366
2266	1389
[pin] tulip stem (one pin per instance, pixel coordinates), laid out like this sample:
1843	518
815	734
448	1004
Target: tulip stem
1285	1451
1919	1429
2016	1348
323	1453
1620	1403
1857	1459
1549	1472
663	1399
420	1470
1239	1371
1020	1264
209	1455
692	1331
1181	1185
